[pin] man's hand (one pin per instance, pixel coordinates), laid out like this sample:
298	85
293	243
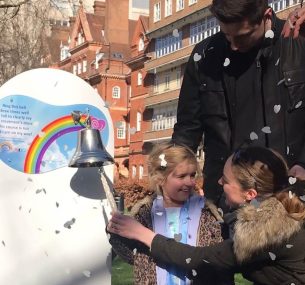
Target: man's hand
295	25
297	171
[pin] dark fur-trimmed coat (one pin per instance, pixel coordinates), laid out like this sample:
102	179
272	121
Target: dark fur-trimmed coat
137	254
268	248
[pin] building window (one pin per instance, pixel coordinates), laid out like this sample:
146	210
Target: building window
140	78
192	2
141	171
121	130
84	65
166	81
80	39
74	69
279	5
64	52
116	92
202	29
178	77
141	44
164	117
134	171
79	68
156	83
168	44
139	119
179	5
168	8
157	12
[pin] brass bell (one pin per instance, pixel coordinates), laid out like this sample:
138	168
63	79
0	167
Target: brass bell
90	151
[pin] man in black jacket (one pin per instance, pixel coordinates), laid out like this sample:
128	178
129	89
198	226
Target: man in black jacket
244	84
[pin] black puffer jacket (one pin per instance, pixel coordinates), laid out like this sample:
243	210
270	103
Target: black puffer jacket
268	248
230	96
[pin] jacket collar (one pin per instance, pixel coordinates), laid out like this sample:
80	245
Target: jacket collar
260	228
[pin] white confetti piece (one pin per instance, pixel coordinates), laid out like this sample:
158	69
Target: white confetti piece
226	62
41	134
281	81
269	34
272	255
177	237
253	136
188	260
289	245
134	251
159	214
87	273
276	108
176	33
204	260
292	180
266	130
163	162
133	130
277	62
287	151
197	57
290	194
298	105
302	198
194	272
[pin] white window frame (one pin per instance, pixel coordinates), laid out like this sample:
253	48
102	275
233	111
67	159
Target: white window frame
121	130
74	69
133	171
140	78
85	65
116	92
141	44
79	68
141	171
167	80
179	5
157	12
191	2
168	8
139	120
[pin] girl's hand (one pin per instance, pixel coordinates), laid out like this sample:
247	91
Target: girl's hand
295	23
128	227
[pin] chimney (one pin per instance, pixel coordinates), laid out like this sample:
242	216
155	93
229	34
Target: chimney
99	8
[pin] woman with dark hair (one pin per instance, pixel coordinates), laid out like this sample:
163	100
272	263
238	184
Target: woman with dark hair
269	234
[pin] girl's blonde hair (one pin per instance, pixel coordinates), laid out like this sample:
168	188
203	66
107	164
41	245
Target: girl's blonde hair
266	171
173	155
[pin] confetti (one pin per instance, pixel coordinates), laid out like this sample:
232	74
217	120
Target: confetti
68	224
159	214
134	251
176	33
272	255
298	105
290	194
57	232
277	62
289	245
204	260
197	57
177	237
266	130
194	272
87	273
288	149
281	81
253	136
302	198
57	204
276	108
269	34
3	243
163	162
226	62
292	180
188	260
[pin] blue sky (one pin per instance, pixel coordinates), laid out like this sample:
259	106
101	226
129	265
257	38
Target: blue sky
140	3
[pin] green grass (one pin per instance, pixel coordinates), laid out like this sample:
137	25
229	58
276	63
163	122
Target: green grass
122	274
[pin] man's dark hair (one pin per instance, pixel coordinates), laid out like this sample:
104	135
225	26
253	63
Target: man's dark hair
235	11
